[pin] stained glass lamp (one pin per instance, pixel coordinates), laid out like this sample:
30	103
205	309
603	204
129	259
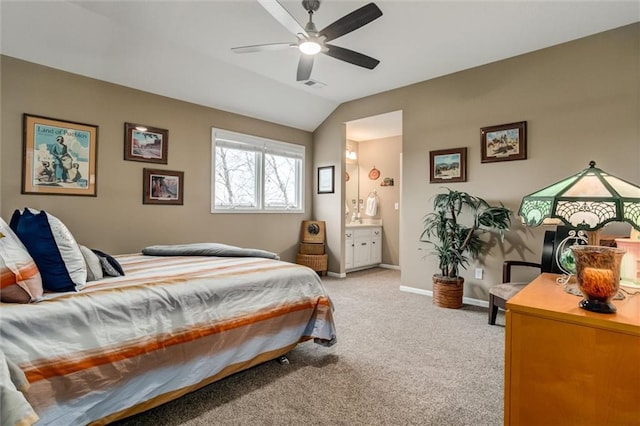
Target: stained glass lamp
586	202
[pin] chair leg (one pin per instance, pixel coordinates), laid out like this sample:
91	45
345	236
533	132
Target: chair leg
493	310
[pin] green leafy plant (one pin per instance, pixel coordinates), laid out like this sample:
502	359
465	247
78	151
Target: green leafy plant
455	226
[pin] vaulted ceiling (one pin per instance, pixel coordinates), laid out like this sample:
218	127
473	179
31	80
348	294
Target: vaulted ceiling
182	49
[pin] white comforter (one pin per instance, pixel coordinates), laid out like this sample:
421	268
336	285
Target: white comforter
169	326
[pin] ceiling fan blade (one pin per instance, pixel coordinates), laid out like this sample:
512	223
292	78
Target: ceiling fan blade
304	67
263	47
350	56
351	22
283	16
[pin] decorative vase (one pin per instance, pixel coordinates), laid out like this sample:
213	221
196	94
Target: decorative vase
598	276
447	292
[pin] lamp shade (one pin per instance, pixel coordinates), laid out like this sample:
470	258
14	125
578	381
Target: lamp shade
587	200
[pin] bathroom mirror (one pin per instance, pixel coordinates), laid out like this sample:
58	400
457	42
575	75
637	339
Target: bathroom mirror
351	190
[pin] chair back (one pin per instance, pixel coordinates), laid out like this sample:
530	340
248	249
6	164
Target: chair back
548	252
552	242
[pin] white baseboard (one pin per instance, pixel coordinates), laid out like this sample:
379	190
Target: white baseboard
336	275
466	300
387	266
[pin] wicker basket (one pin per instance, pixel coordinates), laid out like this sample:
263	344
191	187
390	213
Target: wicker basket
447	292
317	262
311	248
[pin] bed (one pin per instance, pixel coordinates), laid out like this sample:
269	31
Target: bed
170	325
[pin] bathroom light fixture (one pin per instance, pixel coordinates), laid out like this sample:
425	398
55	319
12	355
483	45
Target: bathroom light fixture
141	128
351	155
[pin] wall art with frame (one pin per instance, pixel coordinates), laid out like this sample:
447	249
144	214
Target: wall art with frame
448	165
59	156
162	187
145	143
505	142
326	184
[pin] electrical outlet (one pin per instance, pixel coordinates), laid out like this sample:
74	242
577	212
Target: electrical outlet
479	272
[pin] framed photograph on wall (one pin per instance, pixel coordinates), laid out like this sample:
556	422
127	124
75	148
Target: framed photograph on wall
59	156
505	142
145	143
326	183
162	187
448	165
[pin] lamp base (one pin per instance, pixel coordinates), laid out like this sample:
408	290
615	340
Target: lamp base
597	306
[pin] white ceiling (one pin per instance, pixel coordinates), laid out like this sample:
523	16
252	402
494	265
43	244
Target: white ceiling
375	127
181	49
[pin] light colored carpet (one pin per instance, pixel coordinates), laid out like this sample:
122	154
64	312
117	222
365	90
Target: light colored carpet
399	360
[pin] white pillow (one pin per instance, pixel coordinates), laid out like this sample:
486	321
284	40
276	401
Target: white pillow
94	267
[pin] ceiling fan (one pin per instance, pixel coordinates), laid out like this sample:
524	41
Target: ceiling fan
311	41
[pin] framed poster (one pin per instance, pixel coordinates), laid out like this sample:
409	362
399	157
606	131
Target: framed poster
505	142
162	187
145	143
59	157
325	180
448	165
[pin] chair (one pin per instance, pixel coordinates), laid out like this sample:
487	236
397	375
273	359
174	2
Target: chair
500	293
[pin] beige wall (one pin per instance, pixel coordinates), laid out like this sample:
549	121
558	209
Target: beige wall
384	154
580	100
116	221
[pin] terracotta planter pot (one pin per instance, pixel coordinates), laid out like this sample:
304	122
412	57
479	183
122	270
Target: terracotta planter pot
447	292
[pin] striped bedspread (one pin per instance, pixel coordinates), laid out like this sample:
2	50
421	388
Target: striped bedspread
169	326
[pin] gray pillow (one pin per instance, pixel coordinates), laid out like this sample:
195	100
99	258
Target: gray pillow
94	268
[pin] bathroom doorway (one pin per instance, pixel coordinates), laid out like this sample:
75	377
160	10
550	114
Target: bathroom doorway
373	174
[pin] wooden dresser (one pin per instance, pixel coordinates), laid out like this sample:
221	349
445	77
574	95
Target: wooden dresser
567	366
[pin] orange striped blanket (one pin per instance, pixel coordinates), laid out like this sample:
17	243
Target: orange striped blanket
170	325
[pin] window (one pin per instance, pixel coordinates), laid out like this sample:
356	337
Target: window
254	174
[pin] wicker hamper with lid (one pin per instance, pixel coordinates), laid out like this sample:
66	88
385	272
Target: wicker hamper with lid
317	262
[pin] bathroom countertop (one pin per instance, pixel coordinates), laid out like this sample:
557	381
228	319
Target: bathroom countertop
363	225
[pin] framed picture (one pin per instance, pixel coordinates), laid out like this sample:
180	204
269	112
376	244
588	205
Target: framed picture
59	157
448	165
325	180
145	143
504	143
162	187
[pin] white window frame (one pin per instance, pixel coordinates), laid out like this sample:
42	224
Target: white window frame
261	146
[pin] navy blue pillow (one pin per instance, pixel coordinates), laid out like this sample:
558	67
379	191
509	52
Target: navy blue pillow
35	233
110	266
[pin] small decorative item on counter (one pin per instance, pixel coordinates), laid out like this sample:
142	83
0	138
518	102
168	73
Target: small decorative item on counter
598	275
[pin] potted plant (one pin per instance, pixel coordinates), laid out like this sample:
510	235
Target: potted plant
454	229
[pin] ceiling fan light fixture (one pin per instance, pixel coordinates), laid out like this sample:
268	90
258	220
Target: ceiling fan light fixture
310	47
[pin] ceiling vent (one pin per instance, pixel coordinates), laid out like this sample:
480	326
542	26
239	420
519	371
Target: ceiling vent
313	83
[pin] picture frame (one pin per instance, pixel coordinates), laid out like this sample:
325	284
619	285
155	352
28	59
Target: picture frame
145	143
448	165
162	187
506	142
326	181
59	156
